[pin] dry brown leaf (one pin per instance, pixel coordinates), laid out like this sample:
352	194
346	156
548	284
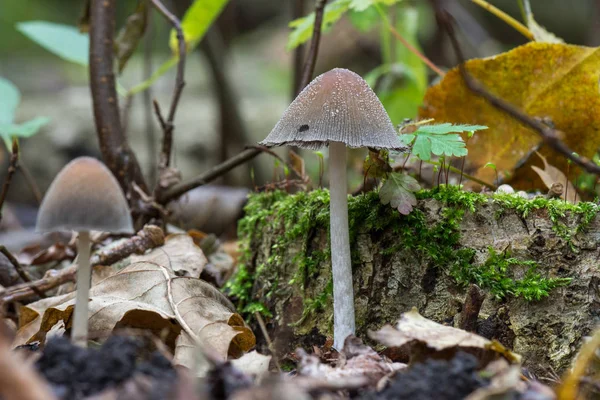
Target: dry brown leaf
179	254
416	330
550	175
253	363
557	83
147	294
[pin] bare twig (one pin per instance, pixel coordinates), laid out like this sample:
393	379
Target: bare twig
297	12
167	144
471	308
17	266
550	136
12	167
407	44
148	238
147	99
218	170
113	144
309	65
263	328
35	190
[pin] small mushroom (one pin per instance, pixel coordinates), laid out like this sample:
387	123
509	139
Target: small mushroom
84	196
339	109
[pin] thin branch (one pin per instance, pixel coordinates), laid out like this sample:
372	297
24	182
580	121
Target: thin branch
407	44
297	12
148	238
147	99
265	332
12	168
35	190
179	189
550	136
17	266
113	144
309	65
505	17
167	144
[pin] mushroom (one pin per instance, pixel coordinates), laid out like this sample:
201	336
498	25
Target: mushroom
339	109
84	196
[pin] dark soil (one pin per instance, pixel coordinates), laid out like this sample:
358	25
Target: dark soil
434	379
75	372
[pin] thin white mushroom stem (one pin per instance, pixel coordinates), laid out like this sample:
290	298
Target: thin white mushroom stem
79	331
343	292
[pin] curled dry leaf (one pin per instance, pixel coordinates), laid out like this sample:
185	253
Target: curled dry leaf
149	295
551	175
425	337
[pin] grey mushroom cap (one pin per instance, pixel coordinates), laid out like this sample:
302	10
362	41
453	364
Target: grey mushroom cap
84	196
337	106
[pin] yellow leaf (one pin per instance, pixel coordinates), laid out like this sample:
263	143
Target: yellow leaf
554	82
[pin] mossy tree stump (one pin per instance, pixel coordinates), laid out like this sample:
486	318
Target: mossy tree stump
537	261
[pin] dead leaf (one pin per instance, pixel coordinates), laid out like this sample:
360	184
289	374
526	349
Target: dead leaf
147	294
423	334
551	175
253	363
179	253
554	82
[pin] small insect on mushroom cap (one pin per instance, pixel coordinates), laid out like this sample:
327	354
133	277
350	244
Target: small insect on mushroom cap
84	196
337	106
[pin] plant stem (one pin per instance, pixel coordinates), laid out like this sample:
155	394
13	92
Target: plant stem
406	44
343	291
79	332
522	29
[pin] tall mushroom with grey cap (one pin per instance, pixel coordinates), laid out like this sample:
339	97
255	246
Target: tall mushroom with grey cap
84	197
339	109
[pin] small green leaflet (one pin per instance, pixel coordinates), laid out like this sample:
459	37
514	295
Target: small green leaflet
438	139
196	21
63	40
398	190
9	100
303	27
10	96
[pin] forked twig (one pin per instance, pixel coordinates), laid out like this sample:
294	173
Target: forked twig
167	125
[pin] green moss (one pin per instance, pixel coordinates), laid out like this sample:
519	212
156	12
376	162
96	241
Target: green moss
557	210
496	275
298	218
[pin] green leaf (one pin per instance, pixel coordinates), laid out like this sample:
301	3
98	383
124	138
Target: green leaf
196	21
438	140
365	20
130	35
26	129
490	165
303	27
63	40
9	100
398	190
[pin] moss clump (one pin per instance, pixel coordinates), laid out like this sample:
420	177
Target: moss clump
557	211
298	217
494	275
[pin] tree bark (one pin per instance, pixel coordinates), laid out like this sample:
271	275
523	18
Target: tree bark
547	333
